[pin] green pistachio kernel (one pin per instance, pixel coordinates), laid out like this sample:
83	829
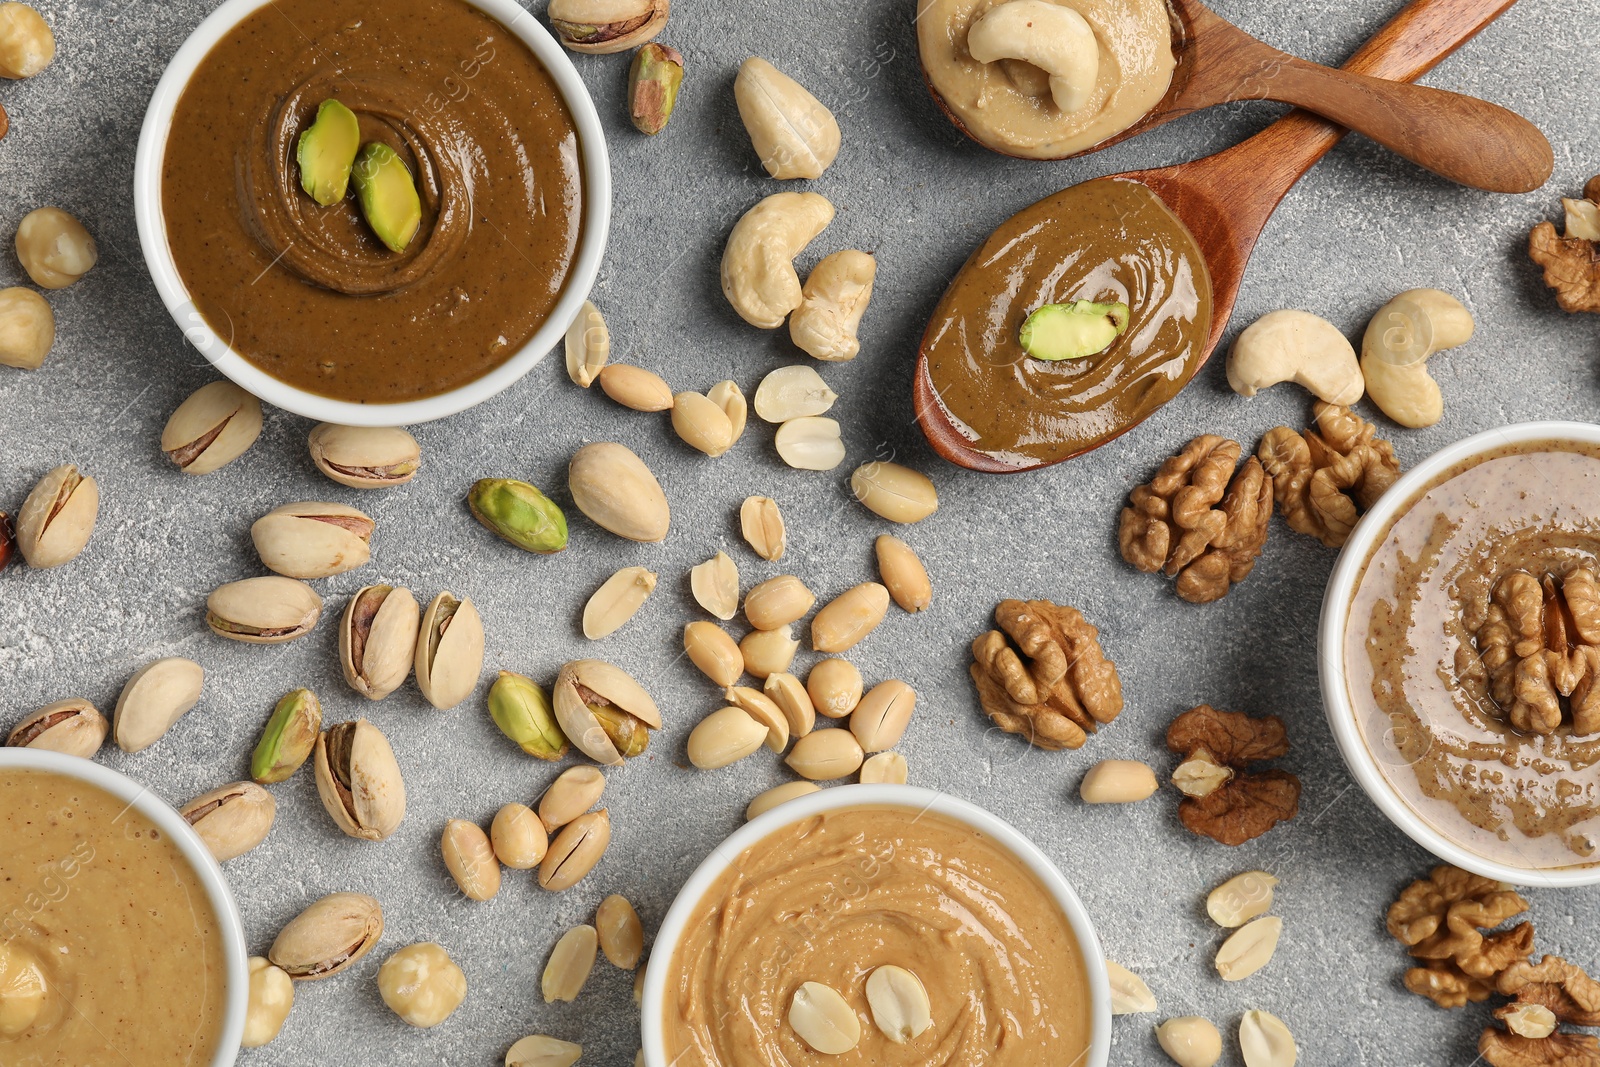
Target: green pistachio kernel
288	739
327	151
388	196
653	83
519	513
522	711
1072	331
627	732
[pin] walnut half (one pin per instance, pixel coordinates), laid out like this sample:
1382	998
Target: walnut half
1051	682
1325	478
1571	261
1222	799
1498	1048
1199	521
1540	645
1441	919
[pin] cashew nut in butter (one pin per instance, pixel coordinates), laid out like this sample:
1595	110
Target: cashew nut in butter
1299	347
832	303
758	275
1394	353
1052	37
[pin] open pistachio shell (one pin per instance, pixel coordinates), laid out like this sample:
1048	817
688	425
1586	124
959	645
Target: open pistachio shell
365	457
215	426
265	611
58	517
232	819
311	539
359	780
378	639
290	735
73	727
155	698
585	684
449	654
328	937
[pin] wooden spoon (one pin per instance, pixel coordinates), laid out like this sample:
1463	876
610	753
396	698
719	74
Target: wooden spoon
1226	199
1458	137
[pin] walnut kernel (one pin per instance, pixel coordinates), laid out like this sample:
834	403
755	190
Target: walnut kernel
1571	261
1224	800
1325	478
1051	683
1540	646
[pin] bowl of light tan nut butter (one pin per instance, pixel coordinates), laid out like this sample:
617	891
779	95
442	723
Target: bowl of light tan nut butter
876	924
1460	654
119	940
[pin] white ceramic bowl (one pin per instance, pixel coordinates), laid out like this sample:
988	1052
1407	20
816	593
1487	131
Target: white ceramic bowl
163	270
852	796
236	992
1336	702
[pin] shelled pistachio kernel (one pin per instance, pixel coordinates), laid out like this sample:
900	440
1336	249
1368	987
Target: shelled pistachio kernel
620	932
779	794
1241	898
570	963
654	77
422	984
763	527
213	427
522	711
470	859
518	838
824	1019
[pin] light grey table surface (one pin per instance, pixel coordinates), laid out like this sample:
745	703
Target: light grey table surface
910	189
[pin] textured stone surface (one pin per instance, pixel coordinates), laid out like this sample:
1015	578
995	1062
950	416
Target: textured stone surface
910	189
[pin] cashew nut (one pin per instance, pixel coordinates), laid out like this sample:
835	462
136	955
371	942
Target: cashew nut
758	275
1053	37
1299	347
833	301
1394	353
791	130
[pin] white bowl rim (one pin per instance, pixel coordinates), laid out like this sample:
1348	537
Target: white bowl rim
870	796
1330	652
158	811
175	296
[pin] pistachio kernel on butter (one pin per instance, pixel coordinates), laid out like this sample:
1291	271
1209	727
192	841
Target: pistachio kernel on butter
1072	331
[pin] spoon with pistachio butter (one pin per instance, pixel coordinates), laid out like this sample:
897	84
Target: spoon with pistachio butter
1050	79
1123	285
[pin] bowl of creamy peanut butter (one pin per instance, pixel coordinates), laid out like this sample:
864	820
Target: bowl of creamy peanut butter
876	924
1460	654
119	939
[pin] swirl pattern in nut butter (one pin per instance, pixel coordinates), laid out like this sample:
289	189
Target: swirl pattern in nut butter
833	897
307	293
1104	240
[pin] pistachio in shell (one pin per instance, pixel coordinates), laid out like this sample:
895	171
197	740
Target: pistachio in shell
269	610
522	711
215	426
73	727
290	735
449	654
519	513
359	780
365	457
232	819
313	539
328	937
378	639
58	517
606	26
602	709
155	698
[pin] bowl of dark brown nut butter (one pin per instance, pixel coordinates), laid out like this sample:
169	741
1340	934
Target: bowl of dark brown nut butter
1460	654
119	939
372	214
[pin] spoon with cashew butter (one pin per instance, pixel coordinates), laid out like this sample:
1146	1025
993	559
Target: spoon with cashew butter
1049	79
1085	312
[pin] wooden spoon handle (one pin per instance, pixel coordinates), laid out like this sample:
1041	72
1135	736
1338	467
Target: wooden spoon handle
1462	138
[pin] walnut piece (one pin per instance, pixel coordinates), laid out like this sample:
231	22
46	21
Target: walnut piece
1054	686
1540	646
1223	800
1571	262
1564	988
1199	521
1498	1048
1325	478
1441	919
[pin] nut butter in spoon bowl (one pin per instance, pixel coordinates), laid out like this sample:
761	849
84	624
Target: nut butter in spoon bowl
1171	243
